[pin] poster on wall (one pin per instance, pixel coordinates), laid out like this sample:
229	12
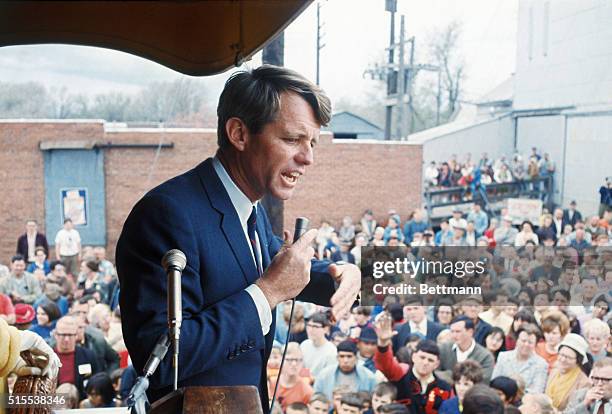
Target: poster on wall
522	209
74	205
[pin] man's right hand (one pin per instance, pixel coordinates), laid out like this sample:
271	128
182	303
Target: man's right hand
289	272
593	395
384	329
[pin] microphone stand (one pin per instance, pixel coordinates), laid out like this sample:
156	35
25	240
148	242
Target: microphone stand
137	401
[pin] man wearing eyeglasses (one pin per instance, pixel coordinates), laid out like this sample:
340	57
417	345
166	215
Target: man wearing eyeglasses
78	363
596	399
293	387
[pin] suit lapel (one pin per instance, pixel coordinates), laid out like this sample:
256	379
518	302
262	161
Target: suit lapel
230	223
263	240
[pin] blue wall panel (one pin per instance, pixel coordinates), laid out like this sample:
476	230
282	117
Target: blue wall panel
83	171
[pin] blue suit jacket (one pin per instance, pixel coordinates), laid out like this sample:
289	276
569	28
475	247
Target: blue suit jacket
221	336
403	331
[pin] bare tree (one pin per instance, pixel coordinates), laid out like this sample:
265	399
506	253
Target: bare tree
444	49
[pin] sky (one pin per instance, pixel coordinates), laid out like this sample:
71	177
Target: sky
355	34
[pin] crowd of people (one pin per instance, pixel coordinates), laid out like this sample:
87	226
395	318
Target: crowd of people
454	172
537	339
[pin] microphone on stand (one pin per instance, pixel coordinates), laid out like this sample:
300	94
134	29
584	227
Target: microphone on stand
173	262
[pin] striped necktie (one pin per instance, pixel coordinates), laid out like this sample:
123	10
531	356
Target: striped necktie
252	231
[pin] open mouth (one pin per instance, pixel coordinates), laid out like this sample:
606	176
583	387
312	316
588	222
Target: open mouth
291	177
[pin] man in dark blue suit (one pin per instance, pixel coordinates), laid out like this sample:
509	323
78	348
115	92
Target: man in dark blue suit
417	324
237	270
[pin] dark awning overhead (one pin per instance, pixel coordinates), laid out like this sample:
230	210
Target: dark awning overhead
192	37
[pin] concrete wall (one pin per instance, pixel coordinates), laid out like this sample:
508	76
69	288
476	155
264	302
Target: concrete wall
495	137
589	145
347	177
564	53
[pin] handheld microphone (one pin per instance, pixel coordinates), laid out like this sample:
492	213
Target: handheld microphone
301	227
173	262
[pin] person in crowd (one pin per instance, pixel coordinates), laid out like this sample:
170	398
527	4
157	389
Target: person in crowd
350	403
292	386
417	384
317	351
32	238
605	194
445	176
481	399
463	347
597	398
547	230
59	277
20	286
68	247
318	404
361	240
93	339
415	224
457	219
479	217
444	235
555	325
465	375
417	323
40	261
496	315
99	317
505	235
384	393
393	229
570	372
571	215
366	344
24	316
368	224
495	341
298	323
71	395
597	334
78	363
526	235
523	360
52	293
490	231
345	371
378	239
471	307
346	232
444	312
506	388
47	314
100	392
344	253
537	403
7	309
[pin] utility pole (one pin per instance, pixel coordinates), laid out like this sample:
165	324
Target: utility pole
274	54
319	36
390	6
401	87
409	77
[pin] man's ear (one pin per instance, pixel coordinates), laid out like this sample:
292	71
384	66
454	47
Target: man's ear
237	133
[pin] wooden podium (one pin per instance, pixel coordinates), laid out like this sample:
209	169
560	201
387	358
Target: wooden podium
210	400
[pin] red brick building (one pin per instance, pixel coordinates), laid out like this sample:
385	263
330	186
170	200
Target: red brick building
348	175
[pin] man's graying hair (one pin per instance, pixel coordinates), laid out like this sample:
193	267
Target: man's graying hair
254	97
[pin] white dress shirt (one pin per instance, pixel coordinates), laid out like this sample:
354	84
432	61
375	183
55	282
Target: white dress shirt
244	207
463	355
421	327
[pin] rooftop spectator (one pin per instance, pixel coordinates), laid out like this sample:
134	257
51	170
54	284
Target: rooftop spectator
506	234
32	238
